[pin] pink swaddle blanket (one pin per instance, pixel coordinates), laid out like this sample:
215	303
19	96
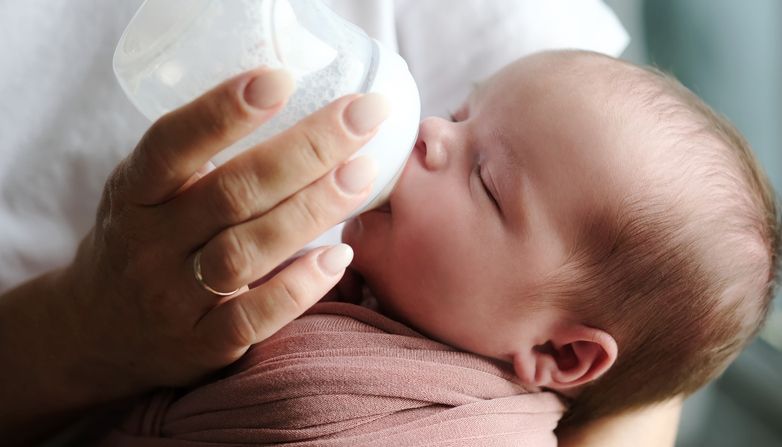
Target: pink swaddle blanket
343	375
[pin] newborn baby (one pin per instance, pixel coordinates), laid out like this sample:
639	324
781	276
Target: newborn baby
591	222
588	227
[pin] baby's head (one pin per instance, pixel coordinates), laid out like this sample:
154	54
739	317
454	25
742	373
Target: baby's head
590	221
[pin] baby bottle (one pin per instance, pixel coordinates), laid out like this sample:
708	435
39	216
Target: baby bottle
174	50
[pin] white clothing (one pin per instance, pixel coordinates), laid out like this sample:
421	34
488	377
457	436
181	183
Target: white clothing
65	123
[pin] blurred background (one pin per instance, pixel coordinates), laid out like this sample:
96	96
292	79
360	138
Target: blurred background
729	52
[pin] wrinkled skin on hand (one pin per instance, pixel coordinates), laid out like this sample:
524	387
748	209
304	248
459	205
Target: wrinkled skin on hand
138	311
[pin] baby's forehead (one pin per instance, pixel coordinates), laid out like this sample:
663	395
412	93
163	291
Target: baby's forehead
613	125
628	115
573	96
575	75
557	69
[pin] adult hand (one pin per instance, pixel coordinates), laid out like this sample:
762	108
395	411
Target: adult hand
129	313
135	271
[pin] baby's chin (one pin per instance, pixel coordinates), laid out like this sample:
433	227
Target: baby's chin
376	296
366	234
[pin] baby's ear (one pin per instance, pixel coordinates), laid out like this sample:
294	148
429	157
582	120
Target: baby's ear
574	355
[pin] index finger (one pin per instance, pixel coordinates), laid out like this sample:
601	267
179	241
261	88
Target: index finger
182	141
262	177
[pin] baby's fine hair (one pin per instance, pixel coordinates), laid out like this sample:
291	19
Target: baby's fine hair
682	270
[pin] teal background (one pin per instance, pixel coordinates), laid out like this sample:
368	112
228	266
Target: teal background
729	52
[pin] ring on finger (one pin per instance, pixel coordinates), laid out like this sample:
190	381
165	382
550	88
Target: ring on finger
200	278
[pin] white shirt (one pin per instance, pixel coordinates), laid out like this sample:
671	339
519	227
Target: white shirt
65	123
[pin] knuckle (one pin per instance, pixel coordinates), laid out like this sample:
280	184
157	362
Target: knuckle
153	158
312	211
212	119
243	328
235	260
223	112
314	149
294	293
161	167
233	197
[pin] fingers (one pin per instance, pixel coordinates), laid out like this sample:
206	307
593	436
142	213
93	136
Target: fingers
200	173
245	252
259	179
257	314
180	142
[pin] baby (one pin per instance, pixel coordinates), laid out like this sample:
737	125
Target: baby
588	227
589	221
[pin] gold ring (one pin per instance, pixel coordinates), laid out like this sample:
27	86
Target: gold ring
200	278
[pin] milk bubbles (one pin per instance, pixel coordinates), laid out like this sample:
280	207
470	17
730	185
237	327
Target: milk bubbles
175	50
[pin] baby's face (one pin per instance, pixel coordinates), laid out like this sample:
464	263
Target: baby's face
489	204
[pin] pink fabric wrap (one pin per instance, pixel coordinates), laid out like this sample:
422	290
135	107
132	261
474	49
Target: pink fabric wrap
343	375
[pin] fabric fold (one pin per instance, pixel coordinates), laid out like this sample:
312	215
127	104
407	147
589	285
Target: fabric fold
346	375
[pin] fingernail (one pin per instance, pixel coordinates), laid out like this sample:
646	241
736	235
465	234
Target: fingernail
356	175
334	260
269	88
365	113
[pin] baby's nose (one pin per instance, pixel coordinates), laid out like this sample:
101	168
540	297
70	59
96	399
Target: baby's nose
431	142
433	155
